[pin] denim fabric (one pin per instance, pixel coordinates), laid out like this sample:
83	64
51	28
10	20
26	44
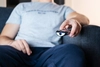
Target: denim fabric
58	56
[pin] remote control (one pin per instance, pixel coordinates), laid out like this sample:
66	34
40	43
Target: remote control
63	32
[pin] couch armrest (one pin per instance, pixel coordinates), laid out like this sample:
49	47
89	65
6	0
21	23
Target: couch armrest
89	41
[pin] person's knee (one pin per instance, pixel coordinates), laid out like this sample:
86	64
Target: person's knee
75	52
69	54
70	49
4	51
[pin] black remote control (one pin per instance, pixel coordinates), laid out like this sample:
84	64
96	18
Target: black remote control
63	32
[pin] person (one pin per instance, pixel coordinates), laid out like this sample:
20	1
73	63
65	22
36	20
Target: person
29	36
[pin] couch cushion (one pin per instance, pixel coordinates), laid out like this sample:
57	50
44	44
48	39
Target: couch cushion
89	41
4	14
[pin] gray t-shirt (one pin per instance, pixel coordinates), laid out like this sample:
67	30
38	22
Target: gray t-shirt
39	22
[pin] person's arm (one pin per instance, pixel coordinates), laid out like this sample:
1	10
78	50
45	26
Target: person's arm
75	20
82	19
11	29
8	34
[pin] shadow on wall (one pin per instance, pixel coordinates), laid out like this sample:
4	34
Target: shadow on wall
13	3
60	2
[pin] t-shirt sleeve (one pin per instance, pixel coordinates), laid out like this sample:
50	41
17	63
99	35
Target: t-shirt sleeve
68	10
15	16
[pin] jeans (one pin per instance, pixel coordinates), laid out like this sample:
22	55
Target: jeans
59	56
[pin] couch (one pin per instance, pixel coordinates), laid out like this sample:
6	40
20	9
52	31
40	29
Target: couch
88	39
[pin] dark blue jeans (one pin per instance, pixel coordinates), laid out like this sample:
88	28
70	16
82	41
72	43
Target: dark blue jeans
58	56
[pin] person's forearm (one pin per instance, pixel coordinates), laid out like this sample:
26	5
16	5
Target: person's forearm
83	20
4	40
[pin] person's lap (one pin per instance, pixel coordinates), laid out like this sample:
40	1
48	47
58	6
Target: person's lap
58	56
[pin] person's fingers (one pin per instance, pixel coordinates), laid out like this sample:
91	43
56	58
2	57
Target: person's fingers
67	26
73	30
74	27
63	25
76	33
79	27
28	51
21	46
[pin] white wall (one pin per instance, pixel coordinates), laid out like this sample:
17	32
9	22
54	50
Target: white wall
90	8
2	3
34	0
68	2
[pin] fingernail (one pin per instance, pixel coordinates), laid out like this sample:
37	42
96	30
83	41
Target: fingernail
71	35
29	53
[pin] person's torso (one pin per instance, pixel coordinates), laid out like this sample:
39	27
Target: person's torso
39	24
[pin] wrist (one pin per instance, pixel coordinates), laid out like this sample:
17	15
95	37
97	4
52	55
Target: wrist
10	42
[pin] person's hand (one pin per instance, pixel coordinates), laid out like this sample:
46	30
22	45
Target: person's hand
21	45
75	26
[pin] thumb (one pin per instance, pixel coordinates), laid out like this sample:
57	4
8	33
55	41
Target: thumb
64	25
